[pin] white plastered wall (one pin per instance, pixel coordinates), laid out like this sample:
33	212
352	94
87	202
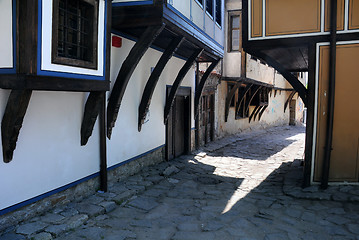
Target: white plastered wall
48	153
126	142
6	36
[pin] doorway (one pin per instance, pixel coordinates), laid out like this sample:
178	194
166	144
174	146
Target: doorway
292	109
178	127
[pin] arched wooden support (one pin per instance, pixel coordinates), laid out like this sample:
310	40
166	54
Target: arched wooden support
258	111
257	108
200	87
92	110
261	113
275	92
229	100
257	88
241	96
12	121
153	79
296	84
291	95
181	74
125	73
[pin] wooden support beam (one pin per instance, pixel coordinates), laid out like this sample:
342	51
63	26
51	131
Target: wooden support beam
229	100
153	79
241	96
200	87
254	112
331	94
262	111
92	109
256	89
258	111
290	97
181	74
103	151
125	73
12	121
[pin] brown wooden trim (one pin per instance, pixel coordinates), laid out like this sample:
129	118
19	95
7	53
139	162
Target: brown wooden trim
22	81
310	117
257	18
153	79
353	15
340	18
125	73
181	74
200	87
12	121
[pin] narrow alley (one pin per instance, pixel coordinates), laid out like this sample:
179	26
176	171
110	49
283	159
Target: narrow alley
240	187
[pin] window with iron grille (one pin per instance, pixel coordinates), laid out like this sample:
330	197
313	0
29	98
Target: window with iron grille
74	33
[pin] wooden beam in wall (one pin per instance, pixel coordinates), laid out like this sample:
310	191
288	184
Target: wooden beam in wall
153	79
92	110
181	74
125	73
229	100
290	97
12	121
200	87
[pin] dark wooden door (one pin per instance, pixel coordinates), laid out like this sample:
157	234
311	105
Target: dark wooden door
206	130
178	126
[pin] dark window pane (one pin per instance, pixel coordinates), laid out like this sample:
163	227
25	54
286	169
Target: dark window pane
219	12
209	7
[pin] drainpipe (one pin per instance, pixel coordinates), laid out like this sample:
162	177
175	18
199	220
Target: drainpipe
331	94
103	154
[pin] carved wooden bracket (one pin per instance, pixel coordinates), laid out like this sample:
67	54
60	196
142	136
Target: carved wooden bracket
290	97
229	99
256	88
241	96
153	79
254	113
12	121
262	111
200	87
92	109
125	73
181	74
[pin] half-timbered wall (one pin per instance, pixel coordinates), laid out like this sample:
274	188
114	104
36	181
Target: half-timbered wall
48	152
7	36
126	141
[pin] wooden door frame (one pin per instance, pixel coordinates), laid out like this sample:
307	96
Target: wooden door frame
185	92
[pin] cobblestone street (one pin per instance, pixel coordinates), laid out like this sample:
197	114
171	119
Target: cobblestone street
241	187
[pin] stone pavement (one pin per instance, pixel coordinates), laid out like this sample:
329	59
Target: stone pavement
242	187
